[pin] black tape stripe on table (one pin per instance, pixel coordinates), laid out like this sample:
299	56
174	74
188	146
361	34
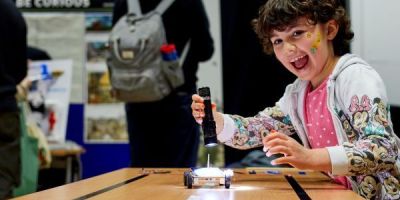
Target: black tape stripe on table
87	196
297	188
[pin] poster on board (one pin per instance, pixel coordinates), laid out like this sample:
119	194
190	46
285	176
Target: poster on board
49	96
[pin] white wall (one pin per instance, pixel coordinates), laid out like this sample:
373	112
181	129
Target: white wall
61	42
376	26
210	72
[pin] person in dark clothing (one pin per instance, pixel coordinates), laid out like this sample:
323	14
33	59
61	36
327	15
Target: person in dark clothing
13	68
163	133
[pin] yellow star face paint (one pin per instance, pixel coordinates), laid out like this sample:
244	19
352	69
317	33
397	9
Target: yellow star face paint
308	35
316	43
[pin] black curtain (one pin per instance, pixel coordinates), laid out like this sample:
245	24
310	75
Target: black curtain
395	115
252	80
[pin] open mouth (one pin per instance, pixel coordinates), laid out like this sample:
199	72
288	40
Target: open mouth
299	62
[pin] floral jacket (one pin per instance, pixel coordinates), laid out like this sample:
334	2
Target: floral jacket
368	151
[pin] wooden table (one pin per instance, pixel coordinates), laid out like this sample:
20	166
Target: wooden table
168	184
67	156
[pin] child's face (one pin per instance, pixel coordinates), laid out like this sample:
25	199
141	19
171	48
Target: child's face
305	49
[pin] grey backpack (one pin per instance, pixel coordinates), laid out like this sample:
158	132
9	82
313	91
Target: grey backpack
138	72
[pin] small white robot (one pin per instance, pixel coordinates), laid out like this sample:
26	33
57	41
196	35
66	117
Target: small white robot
210	177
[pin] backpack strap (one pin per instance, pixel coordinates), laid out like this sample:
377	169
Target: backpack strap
134	7
184	53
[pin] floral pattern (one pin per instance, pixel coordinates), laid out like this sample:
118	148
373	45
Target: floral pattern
371	149
250	131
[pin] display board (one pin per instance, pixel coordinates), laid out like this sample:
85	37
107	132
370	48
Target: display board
80	35
105	120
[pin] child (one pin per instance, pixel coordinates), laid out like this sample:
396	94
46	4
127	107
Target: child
337	106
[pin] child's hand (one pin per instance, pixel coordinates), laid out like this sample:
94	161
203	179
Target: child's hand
198	108
294	153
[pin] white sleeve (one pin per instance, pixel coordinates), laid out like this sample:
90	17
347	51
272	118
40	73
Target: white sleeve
228	130
339	160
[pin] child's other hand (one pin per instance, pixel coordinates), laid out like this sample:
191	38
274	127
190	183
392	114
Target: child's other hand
294	153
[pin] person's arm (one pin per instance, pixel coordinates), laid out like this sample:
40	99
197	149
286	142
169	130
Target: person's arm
364	112
13	42
202	43
244	133
13	61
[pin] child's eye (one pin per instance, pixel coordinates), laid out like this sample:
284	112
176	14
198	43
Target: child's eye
297	33
276	42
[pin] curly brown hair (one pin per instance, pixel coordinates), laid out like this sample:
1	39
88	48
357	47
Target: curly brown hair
279	14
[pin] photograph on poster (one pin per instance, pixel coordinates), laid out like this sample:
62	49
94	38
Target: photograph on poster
98	21
99	88
105	120
105	124
96	51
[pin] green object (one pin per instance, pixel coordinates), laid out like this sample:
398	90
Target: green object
29	158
